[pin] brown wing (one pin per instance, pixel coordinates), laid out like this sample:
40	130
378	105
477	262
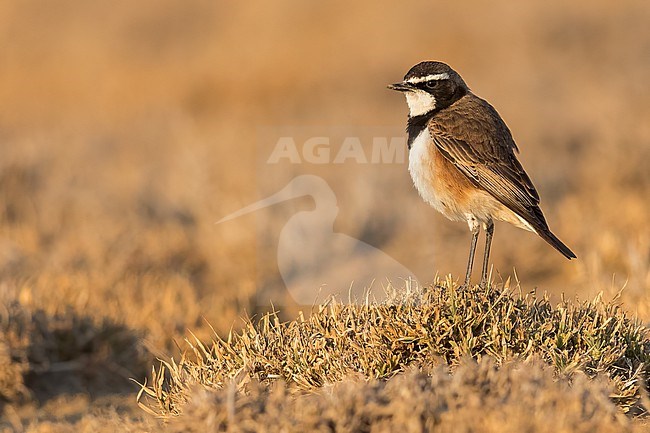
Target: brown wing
473	137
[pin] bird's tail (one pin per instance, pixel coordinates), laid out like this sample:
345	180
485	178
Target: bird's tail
535	218
556	243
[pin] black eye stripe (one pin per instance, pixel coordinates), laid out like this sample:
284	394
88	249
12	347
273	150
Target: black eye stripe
432	84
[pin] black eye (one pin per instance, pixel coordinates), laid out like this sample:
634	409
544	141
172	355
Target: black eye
432	84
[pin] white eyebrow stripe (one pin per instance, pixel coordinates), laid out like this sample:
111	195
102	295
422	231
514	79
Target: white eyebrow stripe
443	76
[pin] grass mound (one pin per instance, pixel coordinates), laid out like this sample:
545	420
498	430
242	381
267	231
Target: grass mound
44	355
477	397
438	326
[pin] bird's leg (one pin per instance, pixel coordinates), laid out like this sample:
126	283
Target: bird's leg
489	232
475	228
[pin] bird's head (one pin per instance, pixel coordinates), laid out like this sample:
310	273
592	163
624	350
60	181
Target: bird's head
430	86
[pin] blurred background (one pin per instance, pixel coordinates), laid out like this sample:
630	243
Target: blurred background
127	129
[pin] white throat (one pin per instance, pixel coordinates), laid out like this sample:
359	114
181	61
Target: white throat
420	102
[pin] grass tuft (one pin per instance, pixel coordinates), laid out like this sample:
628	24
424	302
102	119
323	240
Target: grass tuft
440	325
517	396
44	355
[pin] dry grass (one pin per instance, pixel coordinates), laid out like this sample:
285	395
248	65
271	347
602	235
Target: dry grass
42	352
476	397
128	128
440	326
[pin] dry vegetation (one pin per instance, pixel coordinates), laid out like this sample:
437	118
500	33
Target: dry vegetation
476	397
128	128
441	325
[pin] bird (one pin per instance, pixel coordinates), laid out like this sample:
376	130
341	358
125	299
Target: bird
463	159
312	255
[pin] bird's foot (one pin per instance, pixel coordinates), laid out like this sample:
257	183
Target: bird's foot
485	284
440	286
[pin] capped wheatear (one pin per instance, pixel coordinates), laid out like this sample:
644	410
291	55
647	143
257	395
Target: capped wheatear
463	162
